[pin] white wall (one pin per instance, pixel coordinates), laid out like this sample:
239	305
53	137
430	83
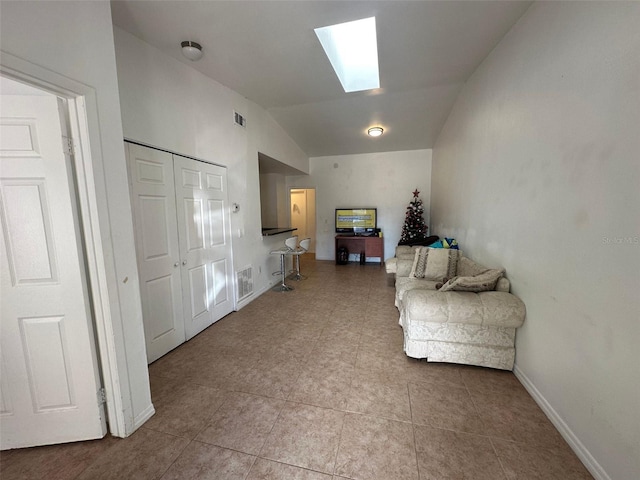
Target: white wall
269	199
75	40
537	169
381	180
169	105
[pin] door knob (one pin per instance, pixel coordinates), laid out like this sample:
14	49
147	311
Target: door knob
176	264
184	262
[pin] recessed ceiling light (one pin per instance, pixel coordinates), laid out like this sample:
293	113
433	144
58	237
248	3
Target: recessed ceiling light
375	131
192	50
352	49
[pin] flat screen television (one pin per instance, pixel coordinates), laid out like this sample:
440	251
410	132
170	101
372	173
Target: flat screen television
356	220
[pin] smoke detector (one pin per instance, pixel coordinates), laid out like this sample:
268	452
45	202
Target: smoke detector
192	50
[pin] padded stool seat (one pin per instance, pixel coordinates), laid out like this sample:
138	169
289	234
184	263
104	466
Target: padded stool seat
301	249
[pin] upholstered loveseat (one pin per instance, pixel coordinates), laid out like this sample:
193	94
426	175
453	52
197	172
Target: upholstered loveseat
454	310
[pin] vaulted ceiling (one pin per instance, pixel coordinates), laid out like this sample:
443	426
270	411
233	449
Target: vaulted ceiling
268	52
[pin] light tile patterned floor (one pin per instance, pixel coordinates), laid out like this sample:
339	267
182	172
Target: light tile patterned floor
313	385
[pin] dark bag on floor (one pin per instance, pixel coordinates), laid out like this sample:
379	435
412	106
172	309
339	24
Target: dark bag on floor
342	257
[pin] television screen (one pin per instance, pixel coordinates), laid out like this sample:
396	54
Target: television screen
354	220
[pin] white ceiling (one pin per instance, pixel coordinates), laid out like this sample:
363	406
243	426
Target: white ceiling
268	52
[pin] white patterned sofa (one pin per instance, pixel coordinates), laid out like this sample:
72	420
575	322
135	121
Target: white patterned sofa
450	321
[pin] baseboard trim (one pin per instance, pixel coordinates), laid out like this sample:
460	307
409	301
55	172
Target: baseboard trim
145	415
574	442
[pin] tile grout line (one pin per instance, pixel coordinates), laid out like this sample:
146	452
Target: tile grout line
413	429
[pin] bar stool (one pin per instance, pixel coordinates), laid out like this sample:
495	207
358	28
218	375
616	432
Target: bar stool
289	247
301	249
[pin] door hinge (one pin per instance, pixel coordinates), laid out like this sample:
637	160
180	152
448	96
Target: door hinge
102	396
67	145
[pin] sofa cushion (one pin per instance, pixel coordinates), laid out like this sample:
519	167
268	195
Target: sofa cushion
469	268
485	308
404	284
434	263
483	282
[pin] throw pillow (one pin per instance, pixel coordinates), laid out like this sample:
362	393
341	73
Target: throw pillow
450	243
482	282
434	263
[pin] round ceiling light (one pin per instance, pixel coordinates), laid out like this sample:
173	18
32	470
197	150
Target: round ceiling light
375	131
192	50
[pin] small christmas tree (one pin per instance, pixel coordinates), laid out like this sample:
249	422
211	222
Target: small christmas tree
414	229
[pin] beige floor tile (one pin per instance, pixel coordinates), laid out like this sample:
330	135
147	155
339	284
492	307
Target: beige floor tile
334	339
488	380
516	417
271	378
305	436
187	413
268	470
54	462
333	354
290	350
391	364
388	377
380	399
444	455
444	374
165	390
224	362
376	449
444	407
242	423
324	388
176	364
535	463
200	461
146	454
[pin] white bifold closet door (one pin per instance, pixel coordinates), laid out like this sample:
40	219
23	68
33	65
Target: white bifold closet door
183	244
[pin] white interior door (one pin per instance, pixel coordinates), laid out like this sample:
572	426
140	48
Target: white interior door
49	374
303	213
205	242
158	253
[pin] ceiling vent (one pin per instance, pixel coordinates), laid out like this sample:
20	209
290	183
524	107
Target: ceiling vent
239	120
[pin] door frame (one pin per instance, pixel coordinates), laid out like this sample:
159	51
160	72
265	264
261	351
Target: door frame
314	237
82	111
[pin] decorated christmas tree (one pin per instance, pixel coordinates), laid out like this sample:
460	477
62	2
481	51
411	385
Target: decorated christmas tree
414	229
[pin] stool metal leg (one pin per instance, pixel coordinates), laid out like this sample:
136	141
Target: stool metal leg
297	275
283	287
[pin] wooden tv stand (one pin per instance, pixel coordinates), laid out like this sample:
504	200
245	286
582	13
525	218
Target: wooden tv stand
371	246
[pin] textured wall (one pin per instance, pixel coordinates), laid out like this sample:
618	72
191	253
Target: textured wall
537	170
75	40
169	105
381	180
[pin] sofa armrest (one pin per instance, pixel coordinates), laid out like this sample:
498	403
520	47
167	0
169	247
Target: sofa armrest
390	265
403	267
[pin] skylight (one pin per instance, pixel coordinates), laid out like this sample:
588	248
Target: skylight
352	49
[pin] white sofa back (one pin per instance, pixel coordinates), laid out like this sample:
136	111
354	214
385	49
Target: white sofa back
466	267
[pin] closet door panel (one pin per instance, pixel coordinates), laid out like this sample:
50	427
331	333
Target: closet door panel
203	229
219	239
157	248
